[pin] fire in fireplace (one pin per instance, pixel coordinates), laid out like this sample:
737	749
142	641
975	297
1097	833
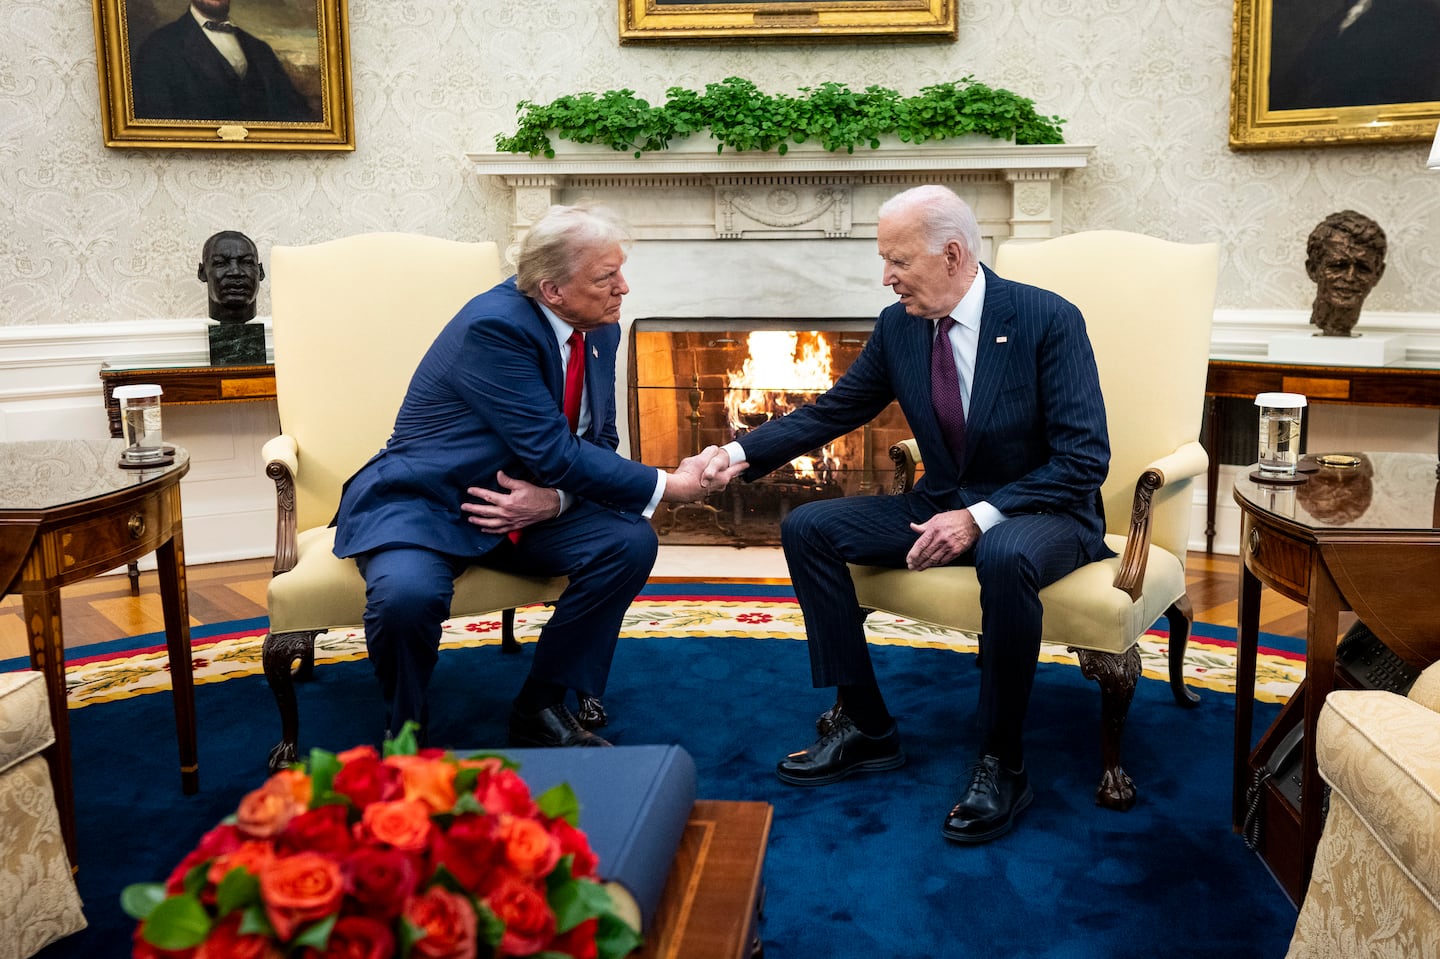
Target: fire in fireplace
698	382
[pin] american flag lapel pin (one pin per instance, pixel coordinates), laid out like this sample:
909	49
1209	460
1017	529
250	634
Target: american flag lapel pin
1002	339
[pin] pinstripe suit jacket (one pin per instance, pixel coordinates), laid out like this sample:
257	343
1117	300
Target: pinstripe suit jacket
1036	439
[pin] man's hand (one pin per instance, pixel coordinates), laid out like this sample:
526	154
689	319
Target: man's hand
943	537
721	471
688	483
524	505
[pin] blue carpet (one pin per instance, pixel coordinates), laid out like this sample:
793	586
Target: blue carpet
854	869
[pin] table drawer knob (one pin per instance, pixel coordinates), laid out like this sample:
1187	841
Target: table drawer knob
136	525
1254	539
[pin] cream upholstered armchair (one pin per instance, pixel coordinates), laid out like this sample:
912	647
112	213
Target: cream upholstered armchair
351	319
1148	307
1375	887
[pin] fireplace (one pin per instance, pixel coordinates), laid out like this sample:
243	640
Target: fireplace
705	381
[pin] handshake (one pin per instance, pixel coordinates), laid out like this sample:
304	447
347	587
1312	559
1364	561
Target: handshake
708	471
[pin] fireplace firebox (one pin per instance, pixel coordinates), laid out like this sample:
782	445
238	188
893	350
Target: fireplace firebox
696	382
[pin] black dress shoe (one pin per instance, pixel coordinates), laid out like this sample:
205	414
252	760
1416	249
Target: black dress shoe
551	726
990	804
841	751
591	711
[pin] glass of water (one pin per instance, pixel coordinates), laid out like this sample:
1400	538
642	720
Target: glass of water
140	418
1280	419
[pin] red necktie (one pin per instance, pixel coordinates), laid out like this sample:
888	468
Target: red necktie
575	379
945	390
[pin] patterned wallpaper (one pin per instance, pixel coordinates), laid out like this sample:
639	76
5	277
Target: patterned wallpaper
89	234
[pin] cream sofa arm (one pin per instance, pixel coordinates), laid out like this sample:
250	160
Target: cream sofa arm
1379	753
1426	690
282	464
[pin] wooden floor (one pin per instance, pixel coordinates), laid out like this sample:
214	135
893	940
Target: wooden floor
102	609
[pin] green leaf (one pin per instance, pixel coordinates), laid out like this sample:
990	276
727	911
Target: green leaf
179	922
577	900
237	890
316	936
409	934
139	899
255	922
614	939
489	927
404	742
323	767
560	802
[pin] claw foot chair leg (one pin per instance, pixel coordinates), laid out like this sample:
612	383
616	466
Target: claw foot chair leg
508	642
1117	676
279	655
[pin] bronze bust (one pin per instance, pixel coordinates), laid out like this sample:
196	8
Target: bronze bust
1345	256
231	270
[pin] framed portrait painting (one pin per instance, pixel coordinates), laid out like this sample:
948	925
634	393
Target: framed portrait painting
225	74
664	21
1321	72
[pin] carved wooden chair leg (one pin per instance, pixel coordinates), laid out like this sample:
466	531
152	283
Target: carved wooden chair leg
1117	676
508	642
279	654
1180	616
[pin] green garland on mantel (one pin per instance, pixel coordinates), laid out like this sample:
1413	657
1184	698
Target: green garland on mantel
739	115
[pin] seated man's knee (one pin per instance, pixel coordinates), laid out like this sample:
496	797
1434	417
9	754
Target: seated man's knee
802	525
397	594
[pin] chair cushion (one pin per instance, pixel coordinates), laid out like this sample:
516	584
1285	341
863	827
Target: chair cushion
1082	609
325	592
24	717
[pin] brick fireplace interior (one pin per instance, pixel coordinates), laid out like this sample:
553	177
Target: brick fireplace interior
700	382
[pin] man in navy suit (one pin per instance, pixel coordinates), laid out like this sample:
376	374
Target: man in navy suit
488	466
1005	405
203	67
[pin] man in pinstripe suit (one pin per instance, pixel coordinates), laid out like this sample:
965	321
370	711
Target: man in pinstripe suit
1005	405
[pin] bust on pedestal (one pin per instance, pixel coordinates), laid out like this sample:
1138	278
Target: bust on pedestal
230	267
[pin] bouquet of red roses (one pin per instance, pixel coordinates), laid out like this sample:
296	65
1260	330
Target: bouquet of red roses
413	853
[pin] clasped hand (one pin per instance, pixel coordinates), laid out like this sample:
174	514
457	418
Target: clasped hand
700	475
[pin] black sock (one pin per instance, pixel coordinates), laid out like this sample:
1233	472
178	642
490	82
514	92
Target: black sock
866	708
537	694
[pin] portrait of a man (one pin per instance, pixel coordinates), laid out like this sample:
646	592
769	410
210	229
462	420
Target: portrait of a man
194	62
1349	53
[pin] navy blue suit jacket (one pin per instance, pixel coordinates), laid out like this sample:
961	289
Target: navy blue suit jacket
1036	439
486	397
179	75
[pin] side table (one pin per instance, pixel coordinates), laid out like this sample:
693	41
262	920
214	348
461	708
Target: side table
1363	539
69	512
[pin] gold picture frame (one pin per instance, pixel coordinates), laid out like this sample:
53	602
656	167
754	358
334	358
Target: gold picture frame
665	21
1314	89
165	83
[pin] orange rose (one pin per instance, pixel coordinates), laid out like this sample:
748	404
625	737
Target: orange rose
401	823
265	812
529	848
299	889
358	752
448	922
427	780
297	783
251	856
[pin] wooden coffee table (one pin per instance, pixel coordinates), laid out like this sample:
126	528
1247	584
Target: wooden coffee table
711	905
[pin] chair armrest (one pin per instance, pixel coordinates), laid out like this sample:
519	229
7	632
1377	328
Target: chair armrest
906	456
282	462
1426	690
1187	461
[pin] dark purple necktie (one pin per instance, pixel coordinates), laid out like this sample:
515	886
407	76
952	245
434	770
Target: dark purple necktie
945	390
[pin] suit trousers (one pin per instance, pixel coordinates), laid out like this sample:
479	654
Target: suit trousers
1013	561
408	590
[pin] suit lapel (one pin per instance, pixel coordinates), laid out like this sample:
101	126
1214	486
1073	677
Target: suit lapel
997	320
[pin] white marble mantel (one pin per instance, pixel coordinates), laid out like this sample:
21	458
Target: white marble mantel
695	213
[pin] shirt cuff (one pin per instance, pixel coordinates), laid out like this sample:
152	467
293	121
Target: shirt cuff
659	492
735	451
565	500
986	516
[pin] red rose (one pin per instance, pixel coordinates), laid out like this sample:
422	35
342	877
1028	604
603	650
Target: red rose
578	942
505	791
140	949
529	923
381	879
448	921
299	889
468	849
573	842
365	779
226	942
326	830
217	842
357	937
402	823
